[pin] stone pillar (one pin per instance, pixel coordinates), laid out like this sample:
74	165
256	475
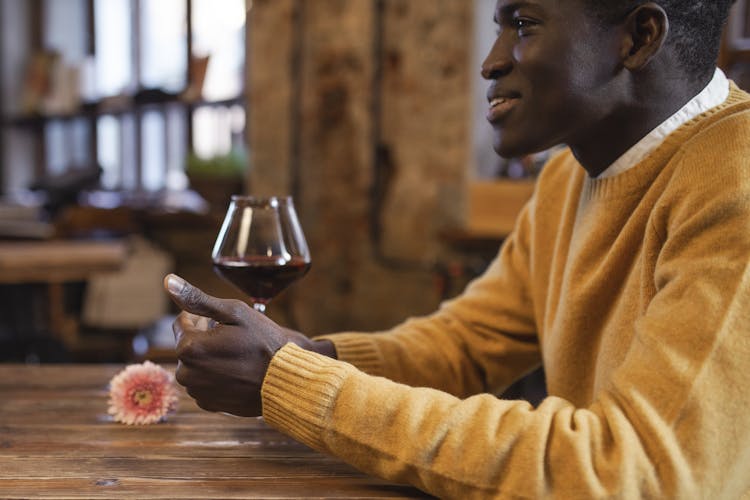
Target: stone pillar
360	109
270	83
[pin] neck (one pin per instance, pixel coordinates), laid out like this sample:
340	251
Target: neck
609	138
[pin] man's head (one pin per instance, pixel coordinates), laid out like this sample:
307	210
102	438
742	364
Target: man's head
596	75
695	28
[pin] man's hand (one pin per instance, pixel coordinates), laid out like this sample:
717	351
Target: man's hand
224	348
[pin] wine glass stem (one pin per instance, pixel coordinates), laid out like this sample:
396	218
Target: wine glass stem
261	308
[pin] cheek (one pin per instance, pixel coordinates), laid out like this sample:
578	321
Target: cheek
560	69
596	64
545	73
557	90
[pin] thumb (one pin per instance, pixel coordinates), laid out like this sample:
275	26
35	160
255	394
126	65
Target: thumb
194	300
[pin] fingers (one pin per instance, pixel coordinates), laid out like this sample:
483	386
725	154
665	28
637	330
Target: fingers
186	321
196	301
216	396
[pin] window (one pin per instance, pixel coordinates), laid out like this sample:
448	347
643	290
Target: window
132	86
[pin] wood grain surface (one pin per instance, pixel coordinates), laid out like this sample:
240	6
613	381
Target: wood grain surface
57	441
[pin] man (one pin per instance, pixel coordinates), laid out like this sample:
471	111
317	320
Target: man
627	276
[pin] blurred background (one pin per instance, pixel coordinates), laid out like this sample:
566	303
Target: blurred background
128	124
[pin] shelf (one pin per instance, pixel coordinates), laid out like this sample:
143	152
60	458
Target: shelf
109	107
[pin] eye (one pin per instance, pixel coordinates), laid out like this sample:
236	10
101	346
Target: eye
522	25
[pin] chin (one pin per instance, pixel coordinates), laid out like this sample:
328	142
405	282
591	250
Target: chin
508	147
506	150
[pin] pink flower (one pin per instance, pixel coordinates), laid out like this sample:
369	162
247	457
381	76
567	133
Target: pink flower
142	394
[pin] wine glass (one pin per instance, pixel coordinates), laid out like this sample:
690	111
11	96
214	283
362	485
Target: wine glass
260	248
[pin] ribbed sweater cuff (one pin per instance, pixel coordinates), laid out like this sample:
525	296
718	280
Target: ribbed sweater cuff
299	392
359	349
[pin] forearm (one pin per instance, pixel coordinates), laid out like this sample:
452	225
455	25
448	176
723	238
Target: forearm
445	351
483	446
481	341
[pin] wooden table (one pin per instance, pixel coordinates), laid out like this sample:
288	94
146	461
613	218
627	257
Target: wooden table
57	441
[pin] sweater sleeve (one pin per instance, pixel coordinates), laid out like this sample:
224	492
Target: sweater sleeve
481	341
670	423
478	447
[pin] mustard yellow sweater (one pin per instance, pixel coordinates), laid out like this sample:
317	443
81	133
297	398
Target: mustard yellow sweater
634	292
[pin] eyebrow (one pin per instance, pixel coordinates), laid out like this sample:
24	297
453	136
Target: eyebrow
508	9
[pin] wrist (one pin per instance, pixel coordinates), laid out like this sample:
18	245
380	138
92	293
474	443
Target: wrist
324	347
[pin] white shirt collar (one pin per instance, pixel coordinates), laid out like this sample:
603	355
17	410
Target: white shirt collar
715	93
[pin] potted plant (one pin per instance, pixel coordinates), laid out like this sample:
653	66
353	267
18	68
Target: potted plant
218	177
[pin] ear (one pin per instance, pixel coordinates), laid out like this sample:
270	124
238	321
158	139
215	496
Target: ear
646	29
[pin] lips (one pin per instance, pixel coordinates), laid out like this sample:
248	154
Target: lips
501	107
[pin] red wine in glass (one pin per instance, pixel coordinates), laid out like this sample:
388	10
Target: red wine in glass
261	248
260	277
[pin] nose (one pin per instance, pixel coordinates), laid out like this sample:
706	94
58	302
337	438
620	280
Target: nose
498	62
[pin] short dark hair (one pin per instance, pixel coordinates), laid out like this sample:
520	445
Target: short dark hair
694	33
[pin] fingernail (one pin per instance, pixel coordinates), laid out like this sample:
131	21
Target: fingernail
175	284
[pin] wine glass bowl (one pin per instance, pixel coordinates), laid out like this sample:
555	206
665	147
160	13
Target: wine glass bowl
261	248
